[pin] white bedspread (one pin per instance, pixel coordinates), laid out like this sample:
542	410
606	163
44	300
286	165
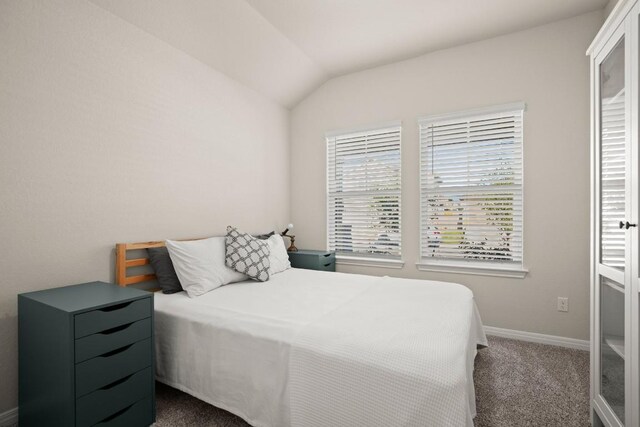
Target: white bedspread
399	354
266	351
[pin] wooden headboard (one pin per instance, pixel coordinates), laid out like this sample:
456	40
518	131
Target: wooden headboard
123	263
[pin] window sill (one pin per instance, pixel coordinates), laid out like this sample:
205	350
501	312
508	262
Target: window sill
369	262
515	273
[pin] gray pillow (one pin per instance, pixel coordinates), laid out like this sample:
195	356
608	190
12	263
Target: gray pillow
265	236
247	255
163	268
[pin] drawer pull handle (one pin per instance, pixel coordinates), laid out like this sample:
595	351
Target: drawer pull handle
327	265
116	351
116	415
116	329
115	383
326	255
115	307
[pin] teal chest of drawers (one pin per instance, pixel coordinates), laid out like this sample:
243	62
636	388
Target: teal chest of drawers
86	357
313	260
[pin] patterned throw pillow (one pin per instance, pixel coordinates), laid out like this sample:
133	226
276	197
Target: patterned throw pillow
247	255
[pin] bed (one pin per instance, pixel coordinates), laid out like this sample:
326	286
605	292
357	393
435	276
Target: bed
312	348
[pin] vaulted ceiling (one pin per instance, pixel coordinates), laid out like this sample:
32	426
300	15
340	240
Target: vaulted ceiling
286	48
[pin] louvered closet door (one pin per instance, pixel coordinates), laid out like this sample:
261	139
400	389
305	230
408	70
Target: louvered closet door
632	309
613	187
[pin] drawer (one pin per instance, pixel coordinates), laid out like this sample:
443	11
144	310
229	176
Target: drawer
112	316
112	339
326	265
112	366
328	257
138	414
316	260
112	398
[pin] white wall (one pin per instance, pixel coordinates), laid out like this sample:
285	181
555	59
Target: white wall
545	67
109	135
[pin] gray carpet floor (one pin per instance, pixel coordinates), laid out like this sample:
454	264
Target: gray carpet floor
517	384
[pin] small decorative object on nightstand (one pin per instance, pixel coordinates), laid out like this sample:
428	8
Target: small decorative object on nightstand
86	356
292	246
313	260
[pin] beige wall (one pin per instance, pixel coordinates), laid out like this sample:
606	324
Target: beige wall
109	135
545	67
609	7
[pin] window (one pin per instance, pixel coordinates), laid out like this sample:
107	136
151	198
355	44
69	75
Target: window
471	192
363	195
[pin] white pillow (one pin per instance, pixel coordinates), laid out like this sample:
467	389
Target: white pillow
278	258
200	266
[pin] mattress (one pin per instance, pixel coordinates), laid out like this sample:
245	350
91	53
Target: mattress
311	348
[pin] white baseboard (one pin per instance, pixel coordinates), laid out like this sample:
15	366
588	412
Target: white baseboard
9	418
538	338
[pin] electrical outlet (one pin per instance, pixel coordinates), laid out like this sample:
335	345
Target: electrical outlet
563	304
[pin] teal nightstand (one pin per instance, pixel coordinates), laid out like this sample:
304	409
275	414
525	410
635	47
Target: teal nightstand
86	356
313	260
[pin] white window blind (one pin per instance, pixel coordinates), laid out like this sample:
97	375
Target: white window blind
363	192
471	188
